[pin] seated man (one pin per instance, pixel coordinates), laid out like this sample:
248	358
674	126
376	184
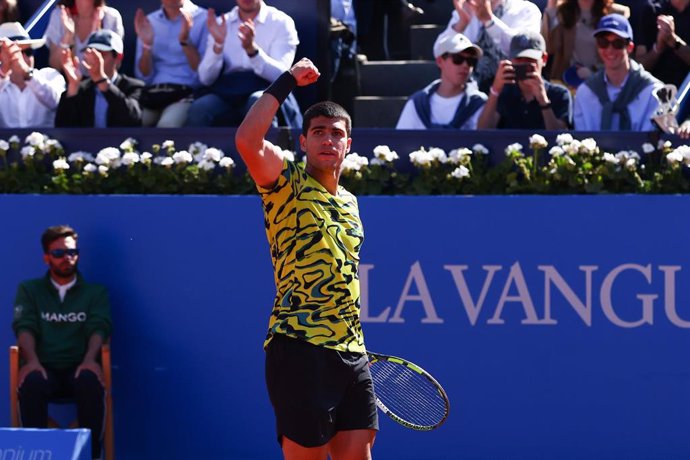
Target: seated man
249	48
28	96
61	322
107	98
519	97
618	97
453	101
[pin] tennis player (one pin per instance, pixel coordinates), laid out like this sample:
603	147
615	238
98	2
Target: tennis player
317	370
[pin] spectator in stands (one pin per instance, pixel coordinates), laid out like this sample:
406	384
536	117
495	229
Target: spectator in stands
106	97
663	39
569	32
9	12
247	49
491	24
28	96
61	322
519	97
170	43
72	23
618	97
453	101
683	115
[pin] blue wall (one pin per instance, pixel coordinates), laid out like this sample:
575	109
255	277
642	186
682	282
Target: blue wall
525	308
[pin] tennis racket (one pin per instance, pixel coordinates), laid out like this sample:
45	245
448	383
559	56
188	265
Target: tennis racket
407	393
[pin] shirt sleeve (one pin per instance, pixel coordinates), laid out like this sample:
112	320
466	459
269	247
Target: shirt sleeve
48	85
25	313
409	118
54	32
211	63
99	321
561	104
278	56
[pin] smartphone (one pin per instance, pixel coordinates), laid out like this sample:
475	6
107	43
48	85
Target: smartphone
521	71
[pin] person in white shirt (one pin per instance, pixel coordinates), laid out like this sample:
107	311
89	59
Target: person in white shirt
248	48
453	101
29	97
491	24
618	97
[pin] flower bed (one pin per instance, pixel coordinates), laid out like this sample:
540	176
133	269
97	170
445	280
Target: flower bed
39	164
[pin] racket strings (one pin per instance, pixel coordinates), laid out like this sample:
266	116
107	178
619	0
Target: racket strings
408	394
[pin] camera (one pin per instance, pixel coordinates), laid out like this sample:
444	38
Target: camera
521	71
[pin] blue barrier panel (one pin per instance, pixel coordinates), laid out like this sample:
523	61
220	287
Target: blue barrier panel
557	325
33	444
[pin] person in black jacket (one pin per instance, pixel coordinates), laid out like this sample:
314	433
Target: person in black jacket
107	97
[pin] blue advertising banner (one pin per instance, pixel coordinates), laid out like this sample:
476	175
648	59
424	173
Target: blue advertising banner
33	444
557	325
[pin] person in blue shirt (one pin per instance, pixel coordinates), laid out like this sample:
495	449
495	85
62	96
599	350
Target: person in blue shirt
519	97
170	43
618	97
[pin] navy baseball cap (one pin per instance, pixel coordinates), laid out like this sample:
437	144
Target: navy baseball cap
528	44
616	24
105	40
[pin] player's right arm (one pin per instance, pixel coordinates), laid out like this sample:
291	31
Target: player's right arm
263	159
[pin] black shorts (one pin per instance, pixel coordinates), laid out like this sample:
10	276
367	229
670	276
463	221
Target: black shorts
317	391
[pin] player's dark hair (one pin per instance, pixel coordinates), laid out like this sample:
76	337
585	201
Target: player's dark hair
326	109
54	233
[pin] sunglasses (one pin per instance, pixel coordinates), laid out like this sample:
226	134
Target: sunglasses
60	253
618	43
459	59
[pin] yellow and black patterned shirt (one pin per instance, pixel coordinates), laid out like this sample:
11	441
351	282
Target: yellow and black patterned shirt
315	239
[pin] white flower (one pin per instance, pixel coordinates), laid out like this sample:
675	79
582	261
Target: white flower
167	161
53	144
438	154
457	156
60	164
647	147
516	147
610	158
207	165
589	146
14	139
424	158
27	152
226	162
182	156
107	156
197	147
383	152
537	141
556	151
128	144
146	156
377	162
4	145
572	147
90	168
35	139
683	152
479	149
354	162
80	156
212	154
674	157
661	145
168	144
563	139
103	170
625	155
460	172
130	158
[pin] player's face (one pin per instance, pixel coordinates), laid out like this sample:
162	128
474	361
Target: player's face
66	265
326	143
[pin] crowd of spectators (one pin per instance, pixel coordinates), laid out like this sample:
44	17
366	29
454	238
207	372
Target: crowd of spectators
502	64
